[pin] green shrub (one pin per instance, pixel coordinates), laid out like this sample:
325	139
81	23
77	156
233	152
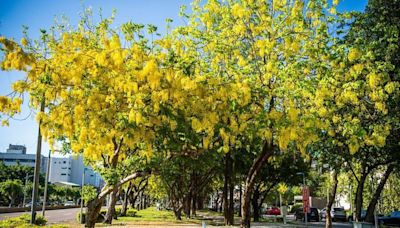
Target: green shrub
131	212
118	210
40	220
21	221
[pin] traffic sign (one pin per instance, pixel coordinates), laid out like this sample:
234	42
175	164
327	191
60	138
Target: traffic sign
306	199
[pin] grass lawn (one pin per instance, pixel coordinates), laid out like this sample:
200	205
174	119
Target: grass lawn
152	216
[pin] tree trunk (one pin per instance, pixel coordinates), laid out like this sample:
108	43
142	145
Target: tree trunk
240	198
126	199
178	213
225	196
216	201
358	201
231	203
228	190
371	207
254	202
187	200
194	200
200	202
111	207
267	152
93	210
94	206
332	195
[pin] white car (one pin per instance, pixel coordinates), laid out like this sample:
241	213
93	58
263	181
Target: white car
69	203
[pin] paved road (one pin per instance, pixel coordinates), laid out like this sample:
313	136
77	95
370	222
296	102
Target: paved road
53	216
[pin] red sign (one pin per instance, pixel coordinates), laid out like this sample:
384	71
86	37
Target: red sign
306	199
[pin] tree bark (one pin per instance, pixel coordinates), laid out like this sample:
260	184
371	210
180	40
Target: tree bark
240	198
187	200
126	199
254	202
358	201
371	207
111	207
267	152
228	190
332	195
194	200
231	212
216	201
93	210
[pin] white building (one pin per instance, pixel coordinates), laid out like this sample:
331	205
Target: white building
62	170
71	170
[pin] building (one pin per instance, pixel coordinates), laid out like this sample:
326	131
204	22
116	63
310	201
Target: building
17	154
65	170
70	170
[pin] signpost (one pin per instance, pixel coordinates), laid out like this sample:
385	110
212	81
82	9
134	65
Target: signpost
306	202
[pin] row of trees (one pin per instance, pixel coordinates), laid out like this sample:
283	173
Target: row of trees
15	187
234	92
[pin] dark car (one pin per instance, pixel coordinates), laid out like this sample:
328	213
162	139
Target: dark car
338	214
392	220
363	214
311	216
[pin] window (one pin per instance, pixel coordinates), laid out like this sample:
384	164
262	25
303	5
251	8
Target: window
64	162
63	167
63	174
55	162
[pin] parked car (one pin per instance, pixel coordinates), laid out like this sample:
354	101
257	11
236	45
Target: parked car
313	215
273	211
363	214
322	214
392	220
338	214
69	203
38	204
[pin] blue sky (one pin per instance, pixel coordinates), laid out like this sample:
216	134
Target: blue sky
41	14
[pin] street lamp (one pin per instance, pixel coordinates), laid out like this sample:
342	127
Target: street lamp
83	183
304	185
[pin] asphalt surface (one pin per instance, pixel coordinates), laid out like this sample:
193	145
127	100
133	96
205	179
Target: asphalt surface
52	216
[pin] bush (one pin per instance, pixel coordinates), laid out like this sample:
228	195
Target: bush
40	221
131	212
22	221
15	222
118	211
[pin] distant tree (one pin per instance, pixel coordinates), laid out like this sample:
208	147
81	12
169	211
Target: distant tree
377	30
12	189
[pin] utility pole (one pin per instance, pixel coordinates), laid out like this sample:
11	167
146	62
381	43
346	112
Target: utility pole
83	184
37	170
46	184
